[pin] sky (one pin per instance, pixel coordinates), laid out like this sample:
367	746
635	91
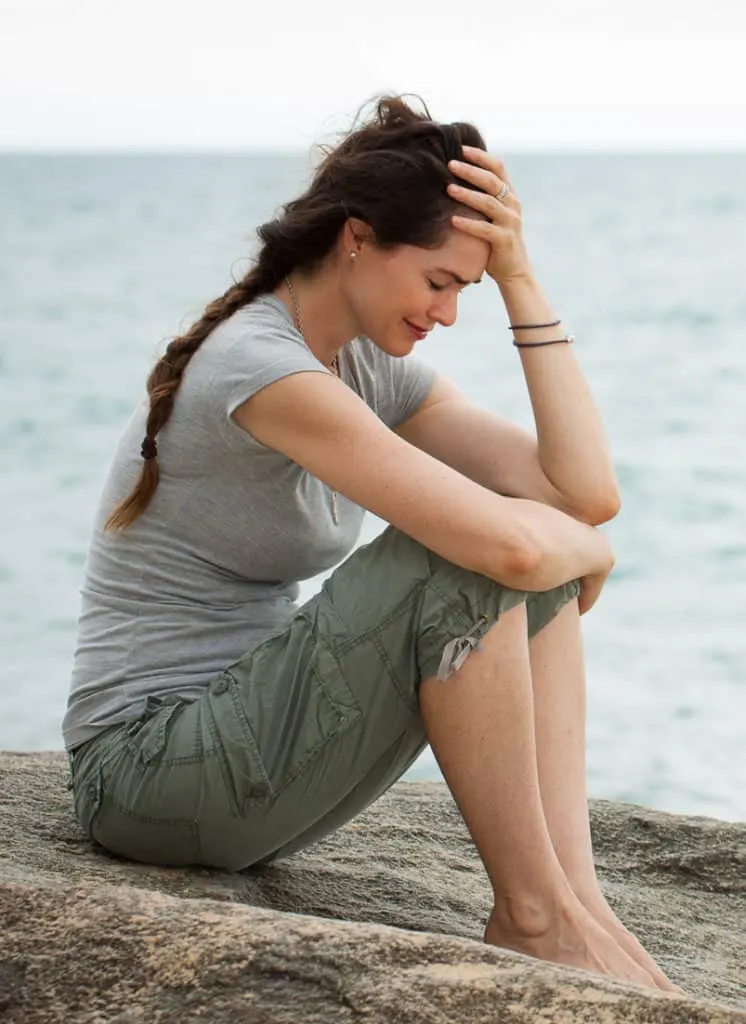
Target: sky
249	75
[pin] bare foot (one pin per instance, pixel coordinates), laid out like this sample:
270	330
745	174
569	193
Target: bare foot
572	937
596	904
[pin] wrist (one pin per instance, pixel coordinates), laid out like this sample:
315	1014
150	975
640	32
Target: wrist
525	303
523	281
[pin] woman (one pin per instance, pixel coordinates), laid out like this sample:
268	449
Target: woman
212	721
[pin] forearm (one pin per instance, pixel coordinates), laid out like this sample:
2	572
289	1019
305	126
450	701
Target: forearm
573	452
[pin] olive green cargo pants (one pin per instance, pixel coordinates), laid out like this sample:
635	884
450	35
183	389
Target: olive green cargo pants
305	730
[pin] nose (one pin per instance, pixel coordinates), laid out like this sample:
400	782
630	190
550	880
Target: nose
445	309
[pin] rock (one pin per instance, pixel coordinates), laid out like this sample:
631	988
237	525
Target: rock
379	923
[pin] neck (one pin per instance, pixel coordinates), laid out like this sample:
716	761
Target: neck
328	322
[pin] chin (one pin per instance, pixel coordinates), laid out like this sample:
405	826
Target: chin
399	348
394	343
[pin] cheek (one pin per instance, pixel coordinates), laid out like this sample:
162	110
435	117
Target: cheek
388	296
391	291
373	308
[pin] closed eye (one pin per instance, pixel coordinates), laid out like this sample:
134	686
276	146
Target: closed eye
442	287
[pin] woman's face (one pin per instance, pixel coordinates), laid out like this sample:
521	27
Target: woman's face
401	294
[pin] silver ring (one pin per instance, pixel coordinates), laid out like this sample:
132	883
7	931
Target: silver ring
503	193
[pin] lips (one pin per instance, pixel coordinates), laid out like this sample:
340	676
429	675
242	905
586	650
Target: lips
418	332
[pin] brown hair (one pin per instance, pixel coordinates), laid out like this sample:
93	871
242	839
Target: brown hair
390	172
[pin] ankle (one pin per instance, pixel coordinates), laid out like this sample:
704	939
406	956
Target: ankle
529	914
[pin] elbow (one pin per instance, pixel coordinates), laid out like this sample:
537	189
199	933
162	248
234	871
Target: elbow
521	563
599	508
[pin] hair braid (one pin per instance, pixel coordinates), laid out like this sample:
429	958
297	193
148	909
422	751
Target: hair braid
164	381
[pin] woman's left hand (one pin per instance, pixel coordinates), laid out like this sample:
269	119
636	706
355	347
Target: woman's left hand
504	228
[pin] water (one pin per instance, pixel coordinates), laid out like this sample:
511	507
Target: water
104	257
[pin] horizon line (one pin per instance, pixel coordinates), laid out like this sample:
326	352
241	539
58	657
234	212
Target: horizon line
580	149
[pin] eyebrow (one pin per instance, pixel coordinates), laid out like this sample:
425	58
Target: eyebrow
451	273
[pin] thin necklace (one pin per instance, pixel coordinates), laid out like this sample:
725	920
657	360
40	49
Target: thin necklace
334	369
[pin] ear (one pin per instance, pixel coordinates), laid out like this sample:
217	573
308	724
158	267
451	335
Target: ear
356	232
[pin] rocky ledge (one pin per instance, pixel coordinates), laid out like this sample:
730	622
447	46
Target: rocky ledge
379	923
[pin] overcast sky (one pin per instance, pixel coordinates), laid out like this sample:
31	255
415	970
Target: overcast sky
247	74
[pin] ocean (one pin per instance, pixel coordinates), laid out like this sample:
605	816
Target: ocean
104	257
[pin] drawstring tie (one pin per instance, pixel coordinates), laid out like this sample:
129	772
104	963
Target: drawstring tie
457	651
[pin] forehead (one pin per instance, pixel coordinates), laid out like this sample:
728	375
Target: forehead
462	254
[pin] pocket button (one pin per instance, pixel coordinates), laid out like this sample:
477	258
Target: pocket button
258	791
219	686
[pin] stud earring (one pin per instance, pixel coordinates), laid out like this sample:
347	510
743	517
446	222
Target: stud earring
353	255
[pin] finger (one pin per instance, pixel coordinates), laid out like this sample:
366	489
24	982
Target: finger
479	176
485	159
485	180
484	228
489	205
488	231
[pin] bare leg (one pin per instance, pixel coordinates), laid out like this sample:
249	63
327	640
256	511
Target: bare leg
557	671
480	724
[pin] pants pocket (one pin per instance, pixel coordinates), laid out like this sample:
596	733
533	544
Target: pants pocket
147	736
133	833
135	800
87	776
87	797
276	710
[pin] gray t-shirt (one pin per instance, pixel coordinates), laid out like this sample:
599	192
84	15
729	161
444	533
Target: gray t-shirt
213	564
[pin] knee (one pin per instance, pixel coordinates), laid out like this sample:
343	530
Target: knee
459	607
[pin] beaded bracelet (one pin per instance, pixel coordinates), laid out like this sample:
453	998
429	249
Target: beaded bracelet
531	327
539	344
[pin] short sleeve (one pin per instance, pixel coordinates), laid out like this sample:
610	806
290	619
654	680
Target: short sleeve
409	381
253	355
